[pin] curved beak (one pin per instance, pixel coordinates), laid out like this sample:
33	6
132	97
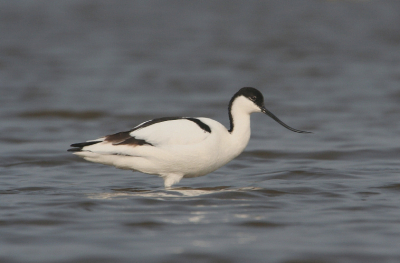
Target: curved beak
264	110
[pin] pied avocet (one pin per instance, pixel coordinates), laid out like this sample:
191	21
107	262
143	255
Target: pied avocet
178	147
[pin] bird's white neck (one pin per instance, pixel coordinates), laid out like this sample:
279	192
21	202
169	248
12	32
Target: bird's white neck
240	126
239	116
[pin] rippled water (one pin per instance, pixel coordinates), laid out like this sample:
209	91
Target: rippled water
76	70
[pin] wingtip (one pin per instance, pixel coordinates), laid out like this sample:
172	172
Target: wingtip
77	147
74	150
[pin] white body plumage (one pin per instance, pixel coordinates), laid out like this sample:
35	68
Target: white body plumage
179	147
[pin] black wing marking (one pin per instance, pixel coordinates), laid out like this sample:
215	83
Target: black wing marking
124	138
120	138
117	138
133	141
78	146
201	124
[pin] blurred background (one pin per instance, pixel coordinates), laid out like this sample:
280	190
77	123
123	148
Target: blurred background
76	70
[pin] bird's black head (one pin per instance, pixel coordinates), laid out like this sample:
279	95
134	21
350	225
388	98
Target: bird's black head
257	98
252	94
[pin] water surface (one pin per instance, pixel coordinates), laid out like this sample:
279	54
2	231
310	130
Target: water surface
76	70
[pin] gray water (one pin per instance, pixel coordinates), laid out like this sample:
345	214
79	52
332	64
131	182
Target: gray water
72	71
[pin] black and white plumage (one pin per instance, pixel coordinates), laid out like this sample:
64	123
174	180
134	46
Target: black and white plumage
177	147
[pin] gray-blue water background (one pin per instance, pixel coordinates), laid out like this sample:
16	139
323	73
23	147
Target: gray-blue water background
72	71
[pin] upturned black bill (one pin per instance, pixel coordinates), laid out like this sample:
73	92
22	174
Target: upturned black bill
264	110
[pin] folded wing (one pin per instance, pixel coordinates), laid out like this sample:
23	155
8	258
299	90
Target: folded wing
155	133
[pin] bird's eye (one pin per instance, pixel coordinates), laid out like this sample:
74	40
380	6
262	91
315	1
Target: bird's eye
253	98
